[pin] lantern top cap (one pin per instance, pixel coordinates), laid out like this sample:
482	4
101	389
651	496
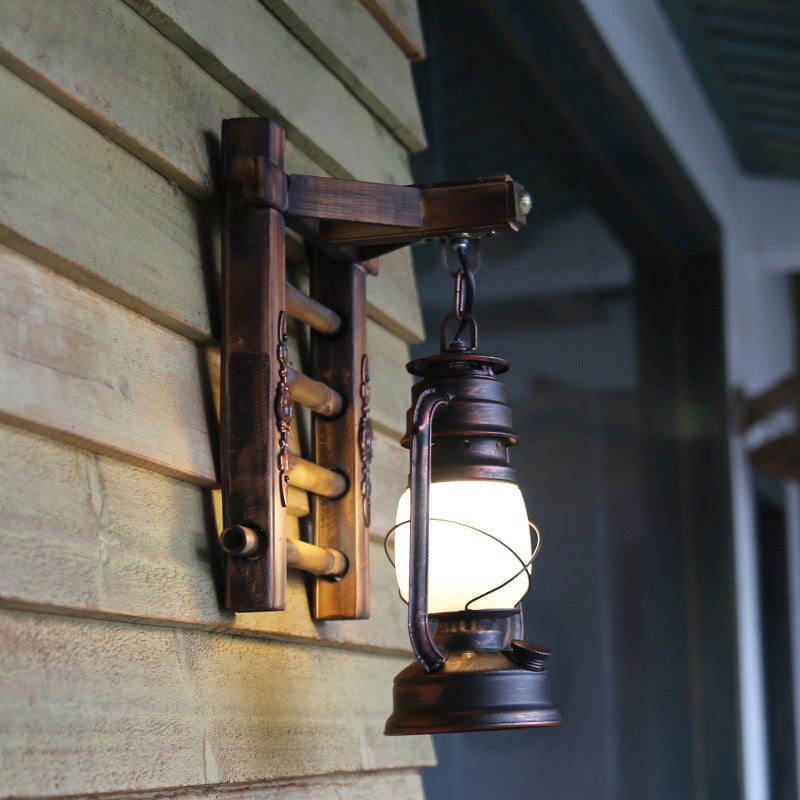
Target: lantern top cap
456	359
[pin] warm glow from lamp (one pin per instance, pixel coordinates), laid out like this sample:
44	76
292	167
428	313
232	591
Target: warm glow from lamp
464	563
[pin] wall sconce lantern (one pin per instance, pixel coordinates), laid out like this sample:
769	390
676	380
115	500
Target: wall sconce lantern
462	522
463	545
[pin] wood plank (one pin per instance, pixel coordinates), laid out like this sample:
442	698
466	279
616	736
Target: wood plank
103	706
392	297
109	540
171	121
92	373
390	384
357	201
299	435
353	44
100	216
389	481
400	19
387	784
253	55
484	205
130	381
92	211
95	374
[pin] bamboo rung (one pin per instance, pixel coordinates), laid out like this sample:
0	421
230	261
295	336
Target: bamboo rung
314	478
308	310
245	542
322	561
314	395
297	502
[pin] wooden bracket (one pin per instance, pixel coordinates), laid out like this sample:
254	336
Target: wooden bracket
349	223
373	219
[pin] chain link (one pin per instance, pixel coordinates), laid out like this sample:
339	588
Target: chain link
464	279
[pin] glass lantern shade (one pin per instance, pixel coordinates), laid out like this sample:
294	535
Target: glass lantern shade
465	564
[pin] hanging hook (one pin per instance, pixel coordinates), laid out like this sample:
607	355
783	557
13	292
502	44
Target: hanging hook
461	243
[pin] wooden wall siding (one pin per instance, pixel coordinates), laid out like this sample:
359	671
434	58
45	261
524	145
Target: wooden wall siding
117	541
355	786
392	298
350	43
136	707
96	374
276	75
119	673
400	18
170	238
173	104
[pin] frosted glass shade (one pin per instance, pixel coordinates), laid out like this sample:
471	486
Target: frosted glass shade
463	563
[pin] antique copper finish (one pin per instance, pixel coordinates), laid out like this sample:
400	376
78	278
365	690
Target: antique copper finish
490	680
473	691
475	673
474	431
283	408
366	439
418	439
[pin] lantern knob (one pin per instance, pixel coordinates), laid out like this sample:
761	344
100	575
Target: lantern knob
530	656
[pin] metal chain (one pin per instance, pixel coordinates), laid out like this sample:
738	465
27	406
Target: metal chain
464	277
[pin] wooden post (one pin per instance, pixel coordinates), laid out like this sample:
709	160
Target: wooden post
343	444
252	373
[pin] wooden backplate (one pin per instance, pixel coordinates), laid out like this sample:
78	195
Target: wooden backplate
253	275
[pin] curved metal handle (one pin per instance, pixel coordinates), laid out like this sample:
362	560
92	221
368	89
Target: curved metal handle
428	654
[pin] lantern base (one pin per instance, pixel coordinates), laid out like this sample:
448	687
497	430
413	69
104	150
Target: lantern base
473	691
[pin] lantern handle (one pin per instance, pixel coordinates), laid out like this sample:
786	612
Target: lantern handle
430	655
